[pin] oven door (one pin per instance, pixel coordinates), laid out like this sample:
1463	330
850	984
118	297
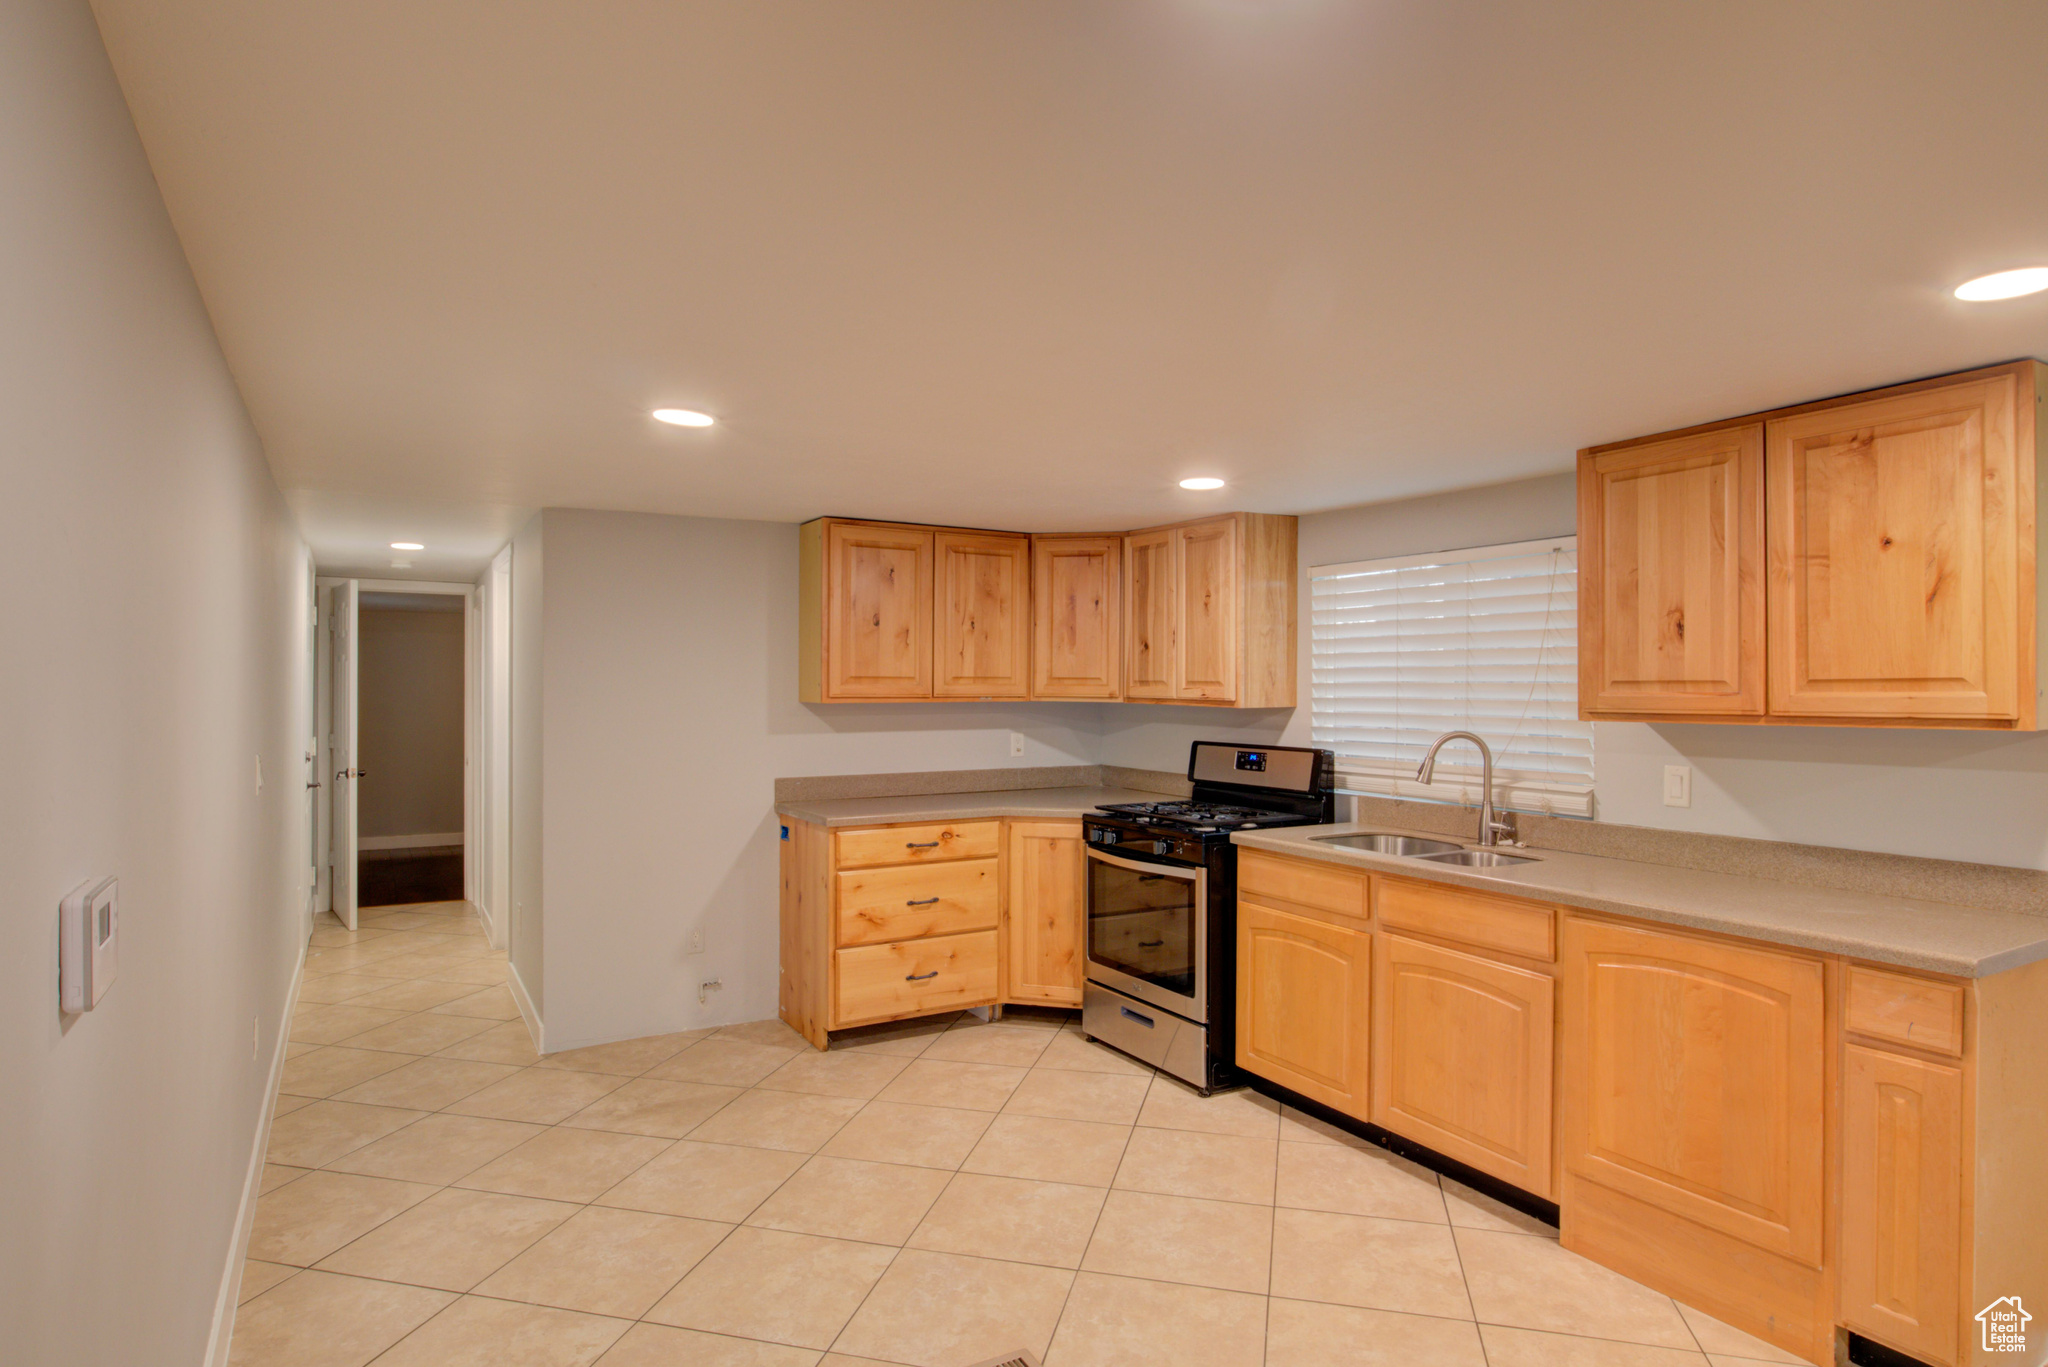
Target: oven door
1148	931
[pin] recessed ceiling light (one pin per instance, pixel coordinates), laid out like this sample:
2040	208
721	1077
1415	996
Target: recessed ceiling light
683	417
2004	285
407	546
1202	482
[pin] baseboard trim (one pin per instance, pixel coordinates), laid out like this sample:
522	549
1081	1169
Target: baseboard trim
527	1012
225	1304
450	839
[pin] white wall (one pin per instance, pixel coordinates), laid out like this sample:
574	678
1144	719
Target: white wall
410	706
670	705
525	938
1942	794
153	609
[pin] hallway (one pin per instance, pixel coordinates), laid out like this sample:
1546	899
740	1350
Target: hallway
933	1193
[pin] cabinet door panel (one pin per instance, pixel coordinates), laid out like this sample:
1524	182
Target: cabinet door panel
1694	1080
878	612
1671	599
1902	1122
983	616
1205	655
1149	599
1895	558
1461	1058
1303	993
1046	915
1077	622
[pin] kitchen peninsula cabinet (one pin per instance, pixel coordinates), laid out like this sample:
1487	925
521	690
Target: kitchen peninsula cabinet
894	921
1867	560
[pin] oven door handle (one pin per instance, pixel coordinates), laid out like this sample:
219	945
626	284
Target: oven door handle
1139	863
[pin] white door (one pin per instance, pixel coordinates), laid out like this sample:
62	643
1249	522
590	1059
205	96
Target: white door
342	853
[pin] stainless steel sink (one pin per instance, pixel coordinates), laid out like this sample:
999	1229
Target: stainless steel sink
1414	846
1481	859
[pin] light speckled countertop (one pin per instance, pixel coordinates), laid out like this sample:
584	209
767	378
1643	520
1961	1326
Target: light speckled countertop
1047	803
1969	942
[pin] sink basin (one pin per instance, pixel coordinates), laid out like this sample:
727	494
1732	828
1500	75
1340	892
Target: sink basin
1480	859
1413	846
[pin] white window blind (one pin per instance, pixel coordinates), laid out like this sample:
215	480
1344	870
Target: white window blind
1482	640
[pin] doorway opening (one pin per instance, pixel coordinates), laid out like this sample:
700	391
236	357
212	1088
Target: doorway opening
409	794
405	682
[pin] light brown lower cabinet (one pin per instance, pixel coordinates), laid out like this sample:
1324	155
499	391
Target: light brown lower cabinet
889	922
1693	1122
1793	1142
1902	1132
1304	986
1045	919
1461	1057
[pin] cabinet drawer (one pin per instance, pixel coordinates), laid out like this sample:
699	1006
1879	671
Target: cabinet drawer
908	901
1470	918
1909	1011
1302	883
927	844
913	977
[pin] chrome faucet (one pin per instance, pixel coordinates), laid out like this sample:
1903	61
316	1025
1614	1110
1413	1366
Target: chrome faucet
1490	830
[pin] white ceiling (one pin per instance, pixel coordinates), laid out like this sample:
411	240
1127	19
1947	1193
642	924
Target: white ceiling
1026	264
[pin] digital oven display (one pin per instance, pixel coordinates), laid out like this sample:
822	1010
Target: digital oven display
1253	760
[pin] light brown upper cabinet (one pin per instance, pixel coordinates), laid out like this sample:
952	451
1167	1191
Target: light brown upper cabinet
1150	592
1199	612
1671	548
1893	535
1076	616
867	610
1211	611
983	616
1896	560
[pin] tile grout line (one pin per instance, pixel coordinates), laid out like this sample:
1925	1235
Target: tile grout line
1067	1300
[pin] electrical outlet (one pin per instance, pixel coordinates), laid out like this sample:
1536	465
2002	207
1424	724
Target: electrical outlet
1678	785
697	941
1016	744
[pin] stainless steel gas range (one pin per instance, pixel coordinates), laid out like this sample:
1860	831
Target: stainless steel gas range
1162	903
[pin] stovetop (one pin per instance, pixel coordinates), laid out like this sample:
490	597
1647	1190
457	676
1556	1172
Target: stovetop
1204	818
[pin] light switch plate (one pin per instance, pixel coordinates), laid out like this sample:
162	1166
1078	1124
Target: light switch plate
1678	785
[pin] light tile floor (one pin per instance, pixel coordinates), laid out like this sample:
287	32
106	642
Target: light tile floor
930	1194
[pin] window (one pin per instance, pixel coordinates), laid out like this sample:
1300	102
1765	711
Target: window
1482	640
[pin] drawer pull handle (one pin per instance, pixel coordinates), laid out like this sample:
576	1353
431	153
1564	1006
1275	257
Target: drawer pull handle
1150	944
920	977
920	844
921	902
1145	1021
